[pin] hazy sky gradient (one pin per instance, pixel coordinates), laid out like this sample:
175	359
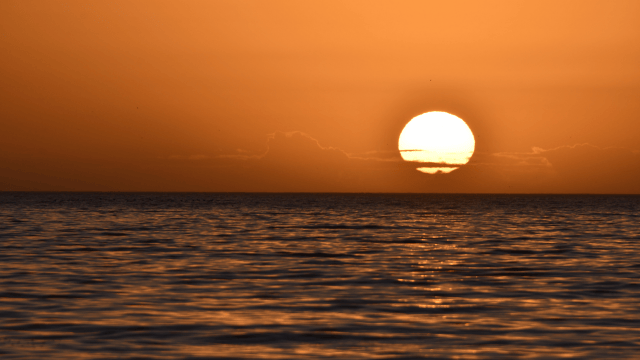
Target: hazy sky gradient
312	96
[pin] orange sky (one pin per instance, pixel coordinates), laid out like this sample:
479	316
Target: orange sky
312	96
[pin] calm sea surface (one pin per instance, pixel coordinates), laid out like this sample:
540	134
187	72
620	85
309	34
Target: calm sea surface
346	276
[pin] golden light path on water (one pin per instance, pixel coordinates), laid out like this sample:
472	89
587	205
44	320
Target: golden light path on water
439	139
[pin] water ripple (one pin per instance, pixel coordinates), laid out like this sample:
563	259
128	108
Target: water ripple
204	276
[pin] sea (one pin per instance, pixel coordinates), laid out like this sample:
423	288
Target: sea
319	276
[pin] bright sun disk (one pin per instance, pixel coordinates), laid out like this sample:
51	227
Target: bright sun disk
440	140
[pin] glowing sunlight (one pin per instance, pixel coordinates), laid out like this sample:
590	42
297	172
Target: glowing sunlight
437	138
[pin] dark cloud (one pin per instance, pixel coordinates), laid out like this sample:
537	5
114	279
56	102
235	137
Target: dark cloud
580	168
588	168
297	162
299	150
293	162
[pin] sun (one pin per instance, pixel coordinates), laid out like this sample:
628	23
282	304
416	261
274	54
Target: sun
441	141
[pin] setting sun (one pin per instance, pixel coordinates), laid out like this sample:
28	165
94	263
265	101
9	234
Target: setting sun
438	139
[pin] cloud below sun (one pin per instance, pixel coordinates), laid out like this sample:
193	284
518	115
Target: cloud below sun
295	161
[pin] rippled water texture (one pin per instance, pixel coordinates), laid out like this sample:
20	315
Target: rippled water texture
318	276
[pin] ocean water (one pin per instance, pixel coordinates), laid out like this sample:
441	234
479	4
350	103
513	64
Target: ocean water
318	276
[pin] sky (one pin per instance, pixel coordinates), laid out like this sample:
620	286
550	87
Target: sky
312	96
